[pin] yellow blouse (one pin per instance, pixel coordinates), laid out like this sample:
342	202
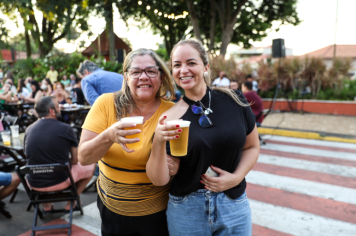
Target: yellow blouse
123	185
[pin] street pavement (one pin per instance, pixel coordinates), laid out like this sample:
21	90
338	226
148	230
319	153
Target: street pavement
298	187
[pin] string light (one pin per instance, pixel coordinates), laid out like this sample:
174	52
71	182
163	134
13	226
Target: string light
171	16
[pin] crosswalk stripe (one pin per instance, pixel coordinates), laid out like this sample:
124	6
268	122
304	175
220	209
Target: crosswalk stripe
309	165
297	222
329	160
306	175
327	148
311	188
315	205
310	151
310	141
258	230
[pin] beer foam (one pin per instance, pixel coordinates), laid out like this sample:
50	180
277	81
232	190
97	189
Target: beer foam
133	119
181	123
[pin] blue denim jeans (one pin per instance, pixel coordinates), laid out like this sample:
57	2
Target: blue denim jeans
5	179
203	213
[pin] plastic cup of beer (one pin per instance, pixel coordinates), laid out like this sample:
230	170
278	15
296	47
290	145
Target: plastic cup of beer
6	137
179	147
14	131
138	120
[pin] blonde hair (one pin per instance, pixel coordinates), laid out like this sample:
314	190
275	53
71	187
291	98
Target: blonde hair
124	103
204	57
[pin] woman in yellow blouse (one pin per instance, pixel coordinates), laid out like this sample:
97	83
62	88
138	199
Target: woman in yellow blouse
128	202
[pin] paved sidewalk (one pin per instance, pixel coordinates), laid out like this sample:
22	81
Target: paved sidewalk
298	187
343	127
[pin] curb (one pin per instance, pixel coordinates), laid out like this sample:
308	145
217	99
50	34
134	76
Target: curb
302	134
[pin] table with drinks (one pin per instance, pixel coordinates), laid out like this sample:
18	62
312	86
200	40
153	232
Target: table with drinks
12	144
20	109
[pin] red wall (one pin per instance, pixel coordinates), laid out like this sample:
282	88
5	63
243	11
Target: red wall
314	106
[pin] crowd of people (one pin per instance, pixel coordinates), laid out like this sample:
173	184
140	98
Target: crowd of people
150	187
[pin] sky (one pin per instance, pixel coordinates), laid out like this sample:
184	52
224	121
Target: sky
316	31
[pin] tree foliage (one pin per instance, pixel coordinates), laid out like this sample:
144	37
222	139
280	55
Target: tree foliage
57	19
215	22
4	35
240	21
164	17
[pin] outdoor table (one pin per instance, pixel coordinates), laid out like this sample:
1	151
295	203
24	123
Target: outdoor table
19	104
24	119
17	146
77	116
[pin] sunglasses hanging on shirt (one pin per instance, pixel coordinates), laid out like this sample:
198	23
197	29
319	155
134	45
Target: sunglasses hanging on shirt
203	120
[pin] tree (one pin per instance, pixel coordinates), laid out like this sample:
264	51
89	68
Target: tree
58	17
240	22
105	8
18	42
4	35
166	17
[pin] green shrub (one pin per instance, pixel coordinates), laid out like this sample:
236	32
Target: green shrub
65	64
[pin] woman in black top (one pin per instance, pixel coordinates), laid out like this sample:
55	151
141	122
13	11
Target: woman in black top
222	136
36	94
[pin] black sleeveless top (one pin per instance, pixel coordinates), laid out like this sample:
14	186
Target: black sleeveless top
219	145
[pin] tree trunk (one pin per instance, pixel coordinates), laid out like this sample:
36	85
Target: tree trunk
226	37
194	19
228	18
110	29
28	43
212	26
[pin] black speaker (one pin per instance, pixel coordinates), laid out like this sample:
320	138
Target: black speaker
278	49
120	55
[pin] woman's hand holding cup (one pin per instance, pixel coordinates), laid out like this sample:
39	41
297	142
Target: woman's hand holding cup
118	134
165	132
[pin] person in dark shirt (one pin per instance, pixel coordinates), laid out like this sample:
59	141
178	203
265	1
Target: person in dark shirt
222	136
76	93
49	141
255	100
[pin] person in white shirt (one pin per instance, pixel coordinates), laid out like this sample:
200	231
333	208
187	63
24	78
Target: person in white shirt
21	88
222	81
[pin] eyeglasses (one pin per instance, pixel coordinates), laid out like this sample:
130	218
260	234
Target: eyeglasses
151	72
204	120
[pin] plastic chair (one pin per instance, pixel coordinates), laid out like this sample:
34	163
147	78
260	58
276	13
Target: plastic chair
36	197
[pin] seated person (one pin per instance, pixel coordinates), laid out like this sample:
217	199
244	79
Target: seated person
6	94
57	145
72	80
8	184
36	93
254	82
221	81
13	89
61	94
21	88
255	100
49	85
234	85
76	93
